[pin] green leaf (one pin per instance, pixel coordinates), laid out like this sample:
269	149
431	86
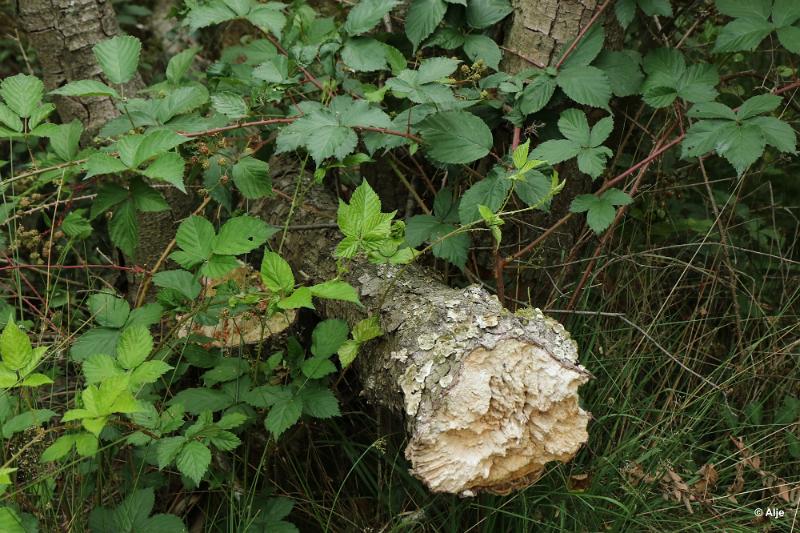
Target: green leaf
276	274
118	57
622	70
600	211
275	70
327	336
283	414
299	298
11	522
149	372
61	447
94	341
263	396
240	235
108	310
742	34
22	93
741	145
588	47
206	15
776	133
101	163
456	137
366	14
195	237
483	48
179	64
180	281
251	177
123	229
490	192
484	13
26	420
317	367
362	221
789	37
146	315
240	7
364	54
64	139
556	151
197	400
99	367
537	94
133	347
152	144
9	118
574	125
758	105
736	8
229	104
534	189
193	460
422	18
146	199
218	265
319	402
39	114
85	88
336	290
86	444
76	226
181	100
585	85
785	12
167	167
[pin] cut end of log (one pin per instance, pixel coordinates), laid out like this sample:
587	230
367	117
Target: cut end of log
503	412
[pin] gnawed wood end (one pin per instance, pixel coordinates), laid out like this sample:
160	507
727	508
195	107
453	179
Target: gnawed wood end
511	408
250	327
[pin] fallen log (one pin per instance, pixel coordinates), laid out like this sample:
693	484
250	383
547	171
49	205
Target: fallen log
489	396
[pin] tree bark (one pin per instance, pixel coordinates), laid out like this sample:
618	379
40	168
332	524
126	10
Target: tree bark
63	33
488	396
540	28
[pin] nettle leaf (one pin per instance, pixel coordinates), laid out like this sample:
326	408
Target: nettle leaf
276	274
251	177
241	234
456	137
422	18
366	15
586	85
484	13
193	460
85	88
483	48
668	78
118	57
600	210
22	93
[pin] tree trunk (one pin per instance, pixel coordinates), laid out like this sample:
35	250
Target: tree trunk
540	28
488	396
63	33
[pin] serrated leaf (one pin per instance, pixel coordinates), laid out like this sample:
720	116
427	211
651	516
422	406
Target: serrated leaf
206	15
537	94
195	237
319	402
556	151
268	17
776	133
484	13
118	57
167	167
9	118
101	163
15	347
193	460
134	345
483	48
742	34
336	290
600	210
99	367
490	192
197	400
283	414
276	274
623	71
178	280
241	234
588	47
758	105
83	88
108	310
456	137
586	85
364	54
229	104
366	14
180	63
317	367
123	229
741	145
251	177
327	336
22	93
422	18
